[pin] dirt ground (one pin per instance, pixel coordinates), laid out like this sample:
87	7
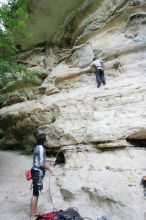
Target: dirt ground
15	190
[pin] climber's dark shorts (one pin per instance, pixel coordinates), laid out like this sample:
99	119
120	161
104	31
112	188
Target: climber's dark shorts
37	182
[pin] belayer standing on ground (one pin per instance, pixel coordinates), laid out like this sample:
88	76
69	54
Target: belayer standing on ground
98	65
38	173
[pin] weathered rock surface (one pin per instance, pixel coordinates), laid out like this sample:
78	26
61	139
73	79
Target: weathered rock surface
48	21
76	114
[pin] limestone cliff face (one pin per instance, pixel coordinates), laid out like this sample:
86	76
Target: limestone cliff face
67	105
50	21
78	116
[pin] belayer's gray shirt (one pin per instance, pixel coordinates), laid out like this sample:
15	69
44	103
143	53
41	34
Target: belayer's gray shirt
39	157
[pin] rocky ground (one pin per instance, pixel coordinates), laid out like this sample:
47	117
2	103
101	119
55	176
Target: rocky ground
102	183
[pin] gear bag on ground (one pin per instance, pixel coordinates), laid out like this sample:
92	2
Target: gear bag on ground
69	214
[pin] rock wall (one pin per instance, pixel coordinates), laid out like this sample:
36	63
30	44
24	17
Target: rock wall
78	116
47	22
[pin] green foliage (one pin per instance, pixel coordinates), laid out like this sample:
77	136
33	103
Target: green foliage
27	149
2	133
22	92
13	16
7	46
3	98
11	75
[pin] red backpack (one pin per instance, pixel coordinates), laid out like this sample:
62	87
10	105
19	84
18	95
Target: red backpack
50	216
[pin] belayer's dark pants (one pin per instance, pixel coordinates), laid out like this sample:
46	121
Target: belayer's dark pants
37	182
100	77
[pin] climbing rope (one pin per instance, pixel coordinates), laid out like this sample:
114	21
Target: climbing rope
50	174
54	208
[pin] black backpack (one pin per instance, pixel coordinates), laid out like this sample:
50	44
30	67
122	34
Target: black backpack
69	214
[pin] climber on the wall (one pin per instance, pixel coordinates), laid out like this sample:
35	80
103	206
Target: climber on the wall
98	65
